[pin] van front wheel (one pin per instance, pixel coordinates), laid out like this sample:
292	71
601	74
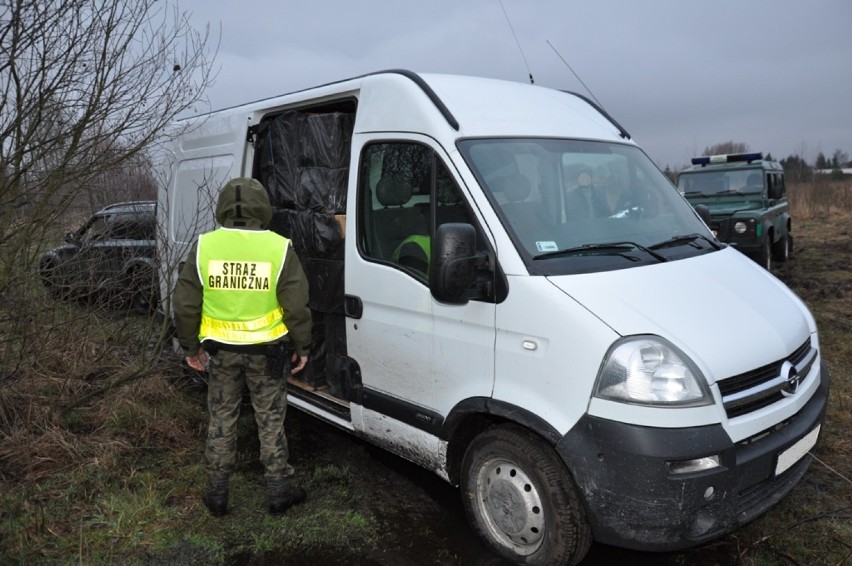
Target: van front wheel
521	500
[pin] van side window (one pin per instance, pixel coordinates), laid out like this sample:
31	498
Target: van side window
405	191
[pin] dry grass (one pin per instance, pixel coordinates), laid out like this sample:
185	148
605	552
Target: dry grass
69	372
820	199
813	525
101	453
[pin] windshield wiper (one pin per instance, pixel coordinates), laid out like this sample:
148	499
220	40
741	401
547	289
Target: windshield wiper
615	248
685	239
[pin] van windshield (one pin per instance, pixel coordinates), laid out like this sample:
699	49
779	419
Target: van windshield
574	206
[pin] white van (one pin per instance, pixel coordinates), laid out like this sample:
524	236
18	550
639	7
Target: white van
508	292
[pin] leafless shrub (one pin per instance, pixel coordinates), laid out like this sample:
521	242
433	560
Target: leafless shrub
87	88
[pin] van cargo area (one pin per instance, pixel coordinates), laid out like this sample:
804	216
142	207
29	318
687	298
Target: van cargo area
302	158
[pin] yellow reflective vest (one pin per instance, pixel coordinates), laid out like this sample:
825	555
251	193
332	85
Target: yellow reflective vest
239	271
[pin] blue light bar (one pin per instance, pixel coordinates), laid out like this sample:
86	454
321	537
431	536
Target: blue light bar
730	158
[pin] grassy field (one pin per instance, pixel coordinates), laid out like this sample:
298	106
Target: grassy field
813	525
101	453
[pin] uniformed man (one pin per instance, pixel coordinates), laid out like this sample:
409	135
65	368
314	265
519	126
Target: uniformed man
240	295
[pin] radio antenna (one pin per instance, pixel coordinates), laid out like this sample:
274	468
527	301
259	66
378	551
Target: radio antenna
529	72
575	74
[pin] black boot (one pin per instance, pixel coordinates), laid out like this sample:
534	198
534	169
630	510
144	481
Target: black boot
282	495
216	495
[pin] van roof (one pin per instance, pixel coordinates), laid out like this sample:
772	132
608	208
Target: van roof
499	107
457	105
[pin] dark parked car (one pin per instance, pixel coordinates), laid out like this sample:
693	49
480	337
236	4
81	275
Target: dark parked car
111	257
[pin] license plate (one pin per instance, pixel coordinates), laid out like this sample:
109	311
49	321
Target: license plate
795	453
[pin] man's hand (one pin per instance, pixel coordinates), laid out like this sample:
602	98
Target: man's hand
297	363
199	361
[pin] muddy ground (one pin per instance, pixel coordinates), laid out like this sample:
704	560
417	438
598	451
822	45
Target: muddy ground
422	515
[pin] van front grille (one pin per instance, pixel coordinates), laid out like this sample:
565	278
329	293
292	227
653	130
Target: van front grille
761	387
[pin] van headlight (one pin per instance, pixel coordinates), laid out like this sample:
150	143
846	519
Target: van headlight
650	370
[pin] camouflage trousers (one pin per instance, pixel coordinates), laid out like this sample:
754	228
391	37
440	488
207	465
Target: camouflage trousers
229	371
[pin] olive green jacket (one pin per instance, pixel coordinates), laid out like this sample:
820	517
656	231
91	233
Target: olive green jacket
243	204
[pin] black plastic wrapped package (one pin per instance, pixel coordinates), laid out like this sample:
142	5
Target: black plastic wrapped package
278	150
322	189
325	279
303	159
325	139
314	234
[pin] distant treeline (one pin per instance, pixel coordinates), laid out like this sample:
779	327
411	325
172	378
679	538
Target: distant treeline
796	167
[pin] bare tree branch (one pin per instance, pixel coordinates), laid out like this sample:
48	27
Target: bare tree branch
87	87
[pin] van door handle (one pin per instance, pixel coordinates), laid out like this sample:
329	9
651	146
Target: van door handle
352	306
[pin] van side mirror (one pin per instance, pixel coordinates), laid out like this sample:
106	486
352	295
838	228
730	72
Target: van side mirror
455	263
71	237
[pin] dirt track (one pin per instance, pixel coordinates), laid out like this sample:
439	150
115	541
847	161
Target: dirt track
422	516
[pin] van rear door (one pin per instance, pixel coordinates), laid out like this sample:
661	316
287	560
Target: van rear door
210	153
206	157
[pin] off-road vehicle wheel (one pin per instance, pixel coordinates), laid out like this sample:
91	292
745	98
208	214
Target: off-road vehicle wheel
141	290
781	249
52	280
764	258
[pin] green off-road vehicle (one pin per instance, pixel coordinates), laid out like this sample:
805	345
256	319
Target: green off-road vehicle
747	202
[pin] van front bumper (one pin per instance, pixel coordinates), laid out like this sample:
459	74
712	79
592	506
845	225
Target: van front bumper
633	501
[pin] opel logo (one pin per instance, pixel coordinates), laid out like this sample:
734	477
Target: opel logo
792	379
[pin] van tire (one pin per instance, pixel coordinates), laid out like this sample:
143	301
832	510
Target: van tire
520	499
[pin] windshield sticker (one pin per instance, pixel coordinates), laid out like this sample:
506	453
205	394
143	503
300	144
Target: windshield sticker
548	246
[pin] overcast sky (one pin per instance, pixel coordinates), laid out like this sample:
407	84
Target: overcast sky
679	75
